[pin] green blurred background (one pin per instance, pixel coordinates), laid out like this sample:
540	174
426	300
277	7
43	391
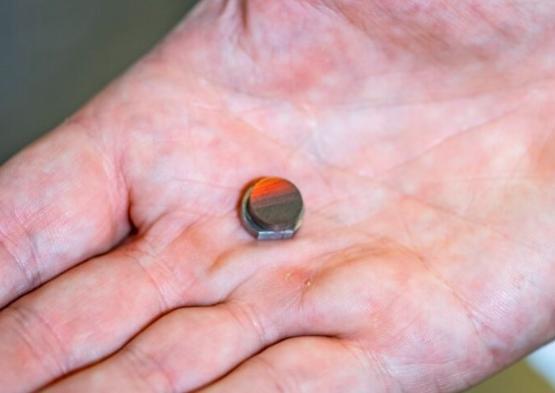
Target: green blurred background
56	54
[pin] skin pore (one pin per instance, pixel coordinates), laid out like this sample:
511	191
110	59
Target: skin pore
420	134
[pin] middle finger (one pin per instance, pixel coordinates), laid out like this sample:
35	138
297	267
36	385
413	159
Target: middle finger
91	311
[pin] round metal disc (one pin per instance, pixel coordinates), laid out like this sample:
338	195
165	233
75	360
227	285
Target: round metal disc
275	204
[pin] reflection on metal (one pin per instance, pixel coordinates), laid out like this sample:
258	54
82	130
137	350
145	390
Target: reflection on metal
272	209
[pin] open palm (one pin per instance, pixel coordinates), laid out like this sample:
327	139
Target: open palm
426	158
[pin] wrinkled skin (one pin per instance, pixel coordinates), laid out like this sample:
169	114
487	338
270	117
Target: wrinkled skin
421	136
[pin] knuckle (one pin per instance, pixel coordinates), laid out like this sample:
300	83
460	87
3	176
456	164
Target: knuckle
281	382
39	339
149	370
249	318
19	249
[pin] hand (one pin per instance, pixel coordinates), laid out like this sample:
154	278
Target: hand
421	137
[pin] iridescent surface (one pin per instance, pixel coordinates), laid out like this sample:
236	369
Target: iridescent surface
275	204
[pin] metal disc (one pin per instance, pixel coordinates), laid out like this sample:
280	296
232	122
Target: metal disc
275	204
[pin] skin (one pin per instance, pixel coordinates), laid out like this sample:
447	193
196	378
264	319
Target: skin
421	136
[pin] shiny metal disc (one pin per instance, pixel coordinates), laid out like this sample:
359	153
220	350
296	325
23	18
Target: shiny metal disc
272	208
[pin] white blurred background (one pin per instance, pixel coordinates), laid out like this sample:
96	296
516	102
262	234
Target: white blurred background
543	361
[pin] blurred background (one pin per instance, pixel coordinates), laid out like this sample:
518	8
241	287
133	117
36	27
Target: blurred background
56	54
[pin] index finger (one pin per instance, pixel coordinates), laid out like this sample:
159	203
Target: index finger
62	201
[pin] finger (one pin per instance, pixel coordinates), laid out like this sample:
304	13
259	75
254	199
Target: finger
61	201
182	351
190	347
307	364
90	312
